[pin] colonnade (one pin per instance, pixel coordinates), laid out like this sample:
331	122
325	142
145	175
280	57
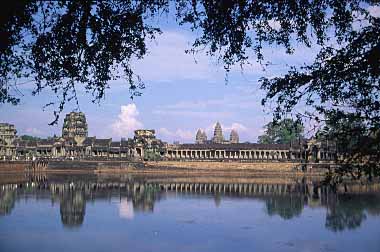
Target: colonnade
134	187
280	155
232	154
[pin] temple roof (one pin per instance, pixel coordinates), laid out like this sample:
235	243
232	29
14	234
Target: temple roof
115	144
89	141
50	141
103	142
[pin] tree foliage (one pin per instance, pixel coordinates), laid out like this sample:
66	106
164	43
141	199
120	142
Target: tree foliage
341	86
61	45
29	138
283	132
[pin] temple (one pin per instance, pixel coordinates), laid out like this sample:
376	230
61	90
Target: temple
219	149
75	126
76	144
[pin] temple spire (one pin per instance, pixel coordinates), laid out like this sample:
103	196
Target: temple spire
218	134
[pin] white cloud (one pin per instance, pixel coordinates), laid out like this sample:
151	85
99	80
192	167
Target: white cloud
237	126
127	121
213	109
374	10
167	60
177	135
191	114
34	132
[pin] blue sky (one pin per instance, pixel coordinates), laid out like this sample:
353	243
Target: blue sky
183	93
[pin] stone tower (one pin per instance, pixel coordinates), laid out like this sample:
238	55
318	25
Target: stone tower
201	137
234	136
204	137
218	134
75	126
7	133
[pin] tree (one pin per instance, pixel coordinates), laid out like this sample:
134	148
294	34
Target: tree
29	138
343	82
66	44
358	146
283	132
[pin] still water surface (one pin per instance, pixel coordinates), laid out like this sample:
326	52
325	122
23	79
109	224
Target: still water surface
184	214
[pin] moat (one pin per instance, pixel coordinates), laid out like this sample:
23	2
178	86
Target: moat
124	212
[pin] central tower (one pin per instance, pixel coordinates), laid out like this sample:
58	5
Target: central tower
75	126
218	134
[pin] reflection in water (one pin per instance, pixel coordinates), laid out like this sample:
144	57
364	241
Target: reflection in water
349	211
287	207
143	200
287	200
7	201
73	208
126	209
217	199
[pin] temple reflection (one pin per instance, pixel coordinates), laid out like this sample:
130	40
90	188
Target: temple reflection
73	208
347	206
7	201
287	207
126	209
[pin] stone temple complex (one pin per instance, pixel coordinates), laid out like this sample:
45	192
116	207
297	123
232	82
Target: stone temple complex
218	138
76	144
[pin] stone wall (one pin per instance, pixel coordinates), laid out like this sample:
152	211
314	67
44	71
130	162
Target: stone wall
225	166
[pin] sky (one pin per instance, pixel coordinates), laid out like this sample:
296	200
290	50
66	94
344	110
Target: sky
183	93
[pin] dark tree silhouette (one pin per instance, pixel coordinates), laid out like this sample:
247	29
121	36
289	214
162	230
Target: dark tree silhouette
65	44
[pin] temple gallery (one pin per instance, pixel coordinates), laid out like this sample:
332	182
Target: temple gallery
74	143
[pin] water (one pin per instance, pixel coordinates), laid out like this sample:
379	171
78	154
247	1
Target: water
124	213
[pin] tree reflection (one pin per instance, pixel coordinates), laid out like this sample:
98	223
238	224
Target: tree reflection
73	208
349	211
287	207
7	201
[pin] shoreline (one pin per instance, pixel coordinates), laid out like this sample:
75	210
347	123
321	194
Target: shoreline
175	167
